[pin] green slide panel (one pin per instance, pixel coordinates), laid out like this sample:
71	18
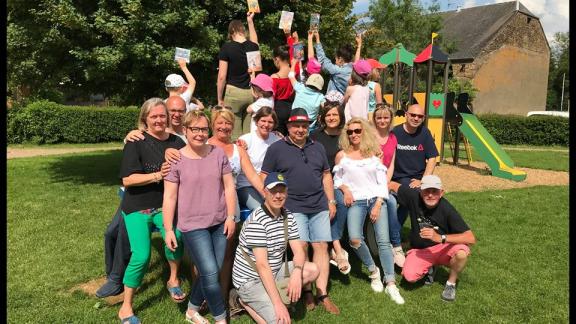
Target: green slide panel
491	152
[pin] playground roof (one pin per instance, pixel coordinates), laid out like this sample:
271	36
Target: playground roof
472	28
431	52
397	54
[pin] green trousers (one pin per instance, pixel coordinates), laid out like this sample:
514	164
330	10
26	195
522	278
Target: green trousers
239	99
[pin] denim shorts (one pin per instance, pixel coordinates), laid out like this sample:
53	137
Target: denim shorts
314	227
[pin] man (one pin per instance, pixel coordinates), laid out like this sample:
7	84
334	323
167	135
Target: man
438	236
176	111
339	72
415	152
264	240
311	197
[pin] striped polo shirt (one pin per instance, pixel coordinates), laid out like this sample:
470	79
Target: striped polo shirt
261	229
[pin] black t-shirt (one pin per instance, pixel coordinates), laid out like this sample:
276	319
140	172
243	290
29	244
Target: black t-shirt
145	156
235	54
444	216
330	143
412	151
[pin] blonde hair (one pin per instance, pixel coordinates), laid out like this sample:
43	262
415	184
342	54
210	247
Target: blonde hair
193	116
368	143
383	108
145	111
227	114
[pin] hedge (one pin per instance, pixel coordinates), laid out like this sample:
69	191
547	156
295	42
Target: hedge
47	122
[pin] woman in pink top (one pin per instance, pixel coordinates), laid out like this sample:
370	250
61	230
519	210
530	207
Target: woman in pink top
202	186
382	120
357	94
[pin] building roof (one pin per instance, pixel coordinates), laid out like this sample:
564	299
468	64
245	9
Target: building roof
473	28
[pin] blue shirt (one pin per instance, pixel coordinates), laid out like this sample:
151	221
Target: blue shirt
339	75
308	99
303	169
412	151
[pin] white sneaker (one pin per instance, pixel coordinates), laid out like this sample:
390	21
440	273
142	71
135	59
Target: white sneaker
394	294
399	256
376	281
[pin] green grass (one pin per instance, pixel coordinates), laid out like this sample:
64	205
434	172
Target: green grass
535	157
59	207
111	145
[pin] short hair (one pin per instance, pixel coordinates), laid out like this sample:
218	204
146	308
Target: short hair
356	78
329	105
265	94
383	108
368	143
227	114
265	111
194	115
345	52
235	26
281	52
145	111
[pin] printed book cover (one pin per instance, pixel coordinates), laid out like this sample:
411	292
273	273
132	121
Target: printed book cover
253	6
314	21
182	53
254	61
286	20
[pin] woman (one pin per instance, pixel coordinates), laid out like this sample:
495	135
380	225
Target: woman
361	176
233	85
256	144
205	217
142	172
283	90
382	120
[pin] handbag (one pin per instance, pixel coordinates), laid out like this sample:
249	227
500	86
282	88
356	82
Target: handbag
282	284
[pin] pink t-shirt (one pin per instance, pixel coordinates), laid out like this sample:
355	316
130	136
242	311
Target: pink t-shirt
201	200
357	104
388	149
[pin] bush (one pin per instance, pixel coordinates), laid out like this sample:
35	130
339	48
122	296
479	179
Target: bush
45	122
520	130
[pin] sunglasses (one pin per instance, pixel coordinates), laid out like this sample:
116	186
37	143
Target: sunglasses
416	115
354	131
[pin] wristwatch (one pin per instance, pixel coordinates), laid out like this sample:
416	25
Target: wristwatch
333	202
443	238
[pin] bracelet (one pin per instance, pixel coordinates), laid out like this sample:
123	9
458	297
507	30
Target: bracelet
291	74
231	217
333	202
298	267
157	177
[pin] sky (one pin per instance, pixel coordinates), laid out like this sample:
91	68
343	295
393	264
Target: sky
553	14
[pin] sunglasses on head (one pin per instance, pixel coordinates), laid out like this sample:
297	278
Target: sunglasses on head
218	107
354	131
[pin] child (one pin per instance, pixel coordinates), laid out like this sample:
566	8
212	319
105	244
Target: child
308	96
357	94
340	70
176	86
263	92
375	97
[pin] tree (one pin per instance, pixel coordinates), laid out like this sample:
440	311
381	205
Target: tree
59	49
559	68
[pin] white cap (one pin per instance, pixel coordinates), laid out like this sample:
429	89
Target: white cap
174	81
430	181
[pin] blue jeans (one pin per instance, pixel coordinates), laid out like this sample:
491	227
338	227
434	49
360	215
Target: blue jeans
206	248
249	197
393	223
338	223
357	214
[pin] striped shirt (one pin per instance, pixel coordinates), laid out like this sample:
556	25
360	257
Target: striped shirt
262	230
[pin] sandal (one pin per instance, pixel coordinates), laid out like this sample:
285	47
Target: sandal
132	319
330	307
234	303
196	318
309	300
176	293
341	262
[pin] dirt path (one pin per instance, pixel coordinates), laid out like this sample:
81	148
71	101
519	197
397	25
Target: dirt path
13	153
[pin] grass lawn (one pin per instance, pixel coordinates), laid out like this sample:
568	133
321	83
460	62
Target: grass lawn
112	145
535	157
59	207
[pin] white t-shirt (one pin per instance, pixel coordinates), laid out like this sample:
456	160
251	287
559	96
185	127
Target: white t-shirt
257	148
256	105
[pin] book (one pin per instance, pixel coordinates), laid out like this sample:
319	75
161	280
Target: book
298	51
286	20
314	21
254	61
253	6
182	53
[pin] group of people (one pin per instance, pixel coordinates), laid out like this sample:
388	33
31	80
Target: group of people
307	164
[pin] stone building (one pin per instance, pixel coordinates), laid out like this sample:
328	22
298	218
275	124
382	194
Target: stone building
504	52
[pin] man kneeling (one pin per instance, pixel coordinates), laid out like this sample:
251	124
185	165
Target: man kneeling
439	235
258	264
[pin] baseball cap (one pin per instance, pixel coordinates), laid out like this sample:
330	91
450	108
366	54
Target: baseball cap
174	81
362	67
298	114
430	181
313	66
375	64
315	80
273	179
263	81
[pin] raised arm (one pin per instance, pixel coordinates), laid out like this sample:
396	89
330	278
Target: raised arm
292	73
358	47
251	30
310	45
189	77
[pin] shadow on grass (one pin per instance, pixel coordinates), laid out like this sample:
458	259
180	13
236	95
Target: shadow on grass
99	168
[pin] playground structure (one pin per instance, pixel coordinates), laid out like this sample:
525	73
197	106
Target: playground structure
441	115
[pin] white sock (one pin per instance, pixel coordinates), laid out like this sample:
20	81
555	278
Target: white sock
448	283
